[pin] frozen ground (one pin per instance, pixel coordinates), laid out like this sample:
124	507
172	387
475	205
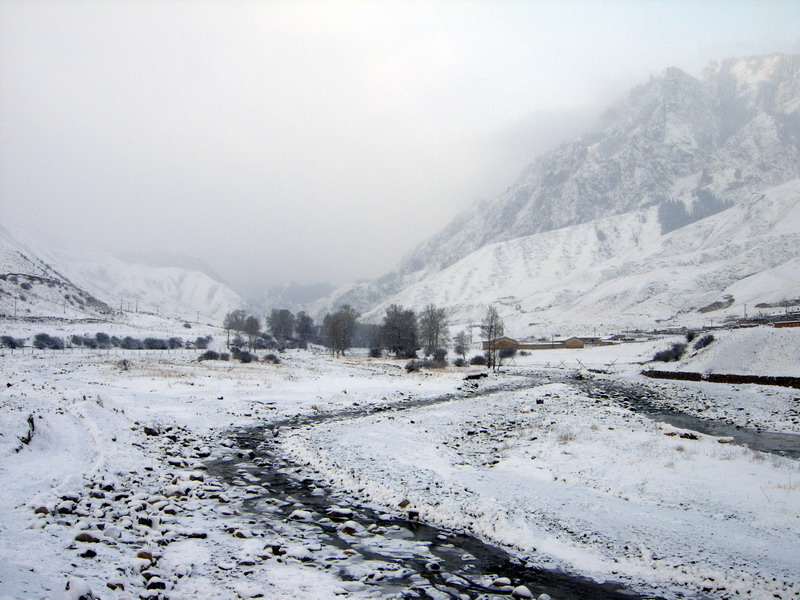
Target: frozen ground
114	456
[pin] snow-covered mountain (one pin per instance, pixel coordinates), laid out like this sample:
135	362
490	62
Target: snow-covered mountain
673	151
86	284
30	287
621	271
294	296
168	291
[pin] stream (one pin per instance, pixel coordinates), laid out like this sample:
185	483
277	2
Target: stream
389	556
647	402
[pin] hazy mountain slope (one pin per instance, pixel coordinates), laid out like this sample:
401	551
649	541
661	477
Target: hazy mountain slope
169	291
51	283
294	296
691	146
621	271
30	287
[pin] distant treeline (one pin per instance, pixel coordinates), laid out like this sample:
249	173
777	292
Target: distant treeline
45	341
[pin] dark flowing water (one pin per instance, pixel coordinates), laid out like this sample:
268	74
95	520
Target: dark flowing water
402	558
405	558
647	402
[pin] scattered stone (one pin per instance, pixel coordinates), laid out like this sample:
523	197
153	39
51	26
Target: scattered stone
156	584
300	515
78	589
521	591
339	514
350	528
86	537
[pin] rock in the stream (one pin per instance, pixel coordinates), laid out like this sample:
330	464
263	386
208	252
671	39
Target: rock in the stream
521	591
300	515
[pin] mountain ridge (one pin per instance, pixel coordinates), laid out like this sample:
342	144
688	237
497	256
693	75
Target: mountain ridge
693	145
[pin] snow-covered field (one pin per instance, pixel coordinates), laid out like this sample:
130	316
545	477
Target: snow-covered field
103	487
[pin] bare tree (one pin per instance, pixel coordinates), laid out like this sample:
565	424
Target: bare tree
461	344
432	327
304	327
281	323
492	329
339	329
234	320
252	327
399	331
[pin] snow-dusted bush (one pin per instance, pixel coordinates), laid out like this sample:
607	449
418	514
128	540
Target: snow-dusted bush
203	342
208	355
413	366
131	343
703	342
507	352
50	342
459	362
7	341
672	354
272	358
478	359
155	344
243	355
81	340
376	353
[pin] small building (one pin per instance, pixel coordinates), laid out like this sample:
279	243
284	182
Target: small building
501	343
786	324
573	342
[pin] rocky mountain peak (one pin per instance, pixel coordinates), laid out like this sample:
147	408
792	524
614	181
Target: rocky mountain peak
690	146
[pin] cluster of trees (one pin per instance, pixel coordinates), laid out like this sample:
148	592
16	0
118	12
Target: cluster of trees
402	332
284	329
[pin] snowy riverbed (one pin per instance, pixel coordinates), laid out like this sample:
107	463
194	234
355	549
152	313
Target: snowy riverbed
118	452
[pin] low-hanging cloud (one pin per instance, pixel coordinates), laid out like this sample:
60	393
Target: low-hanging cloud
313	140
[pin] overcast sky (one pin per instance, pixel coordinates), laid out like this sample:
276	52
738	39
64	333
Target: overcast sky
314	141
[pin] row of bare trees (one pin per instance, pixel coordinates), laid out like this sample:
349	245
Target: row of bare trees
402	332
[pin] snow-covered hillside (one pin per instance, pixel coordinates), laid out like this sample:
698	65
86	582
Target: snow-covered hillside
689	146
30	287
170	291
622	272
55	283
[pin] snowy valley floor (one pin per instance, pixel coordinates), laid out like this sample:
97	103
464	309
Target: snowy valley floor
104	487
